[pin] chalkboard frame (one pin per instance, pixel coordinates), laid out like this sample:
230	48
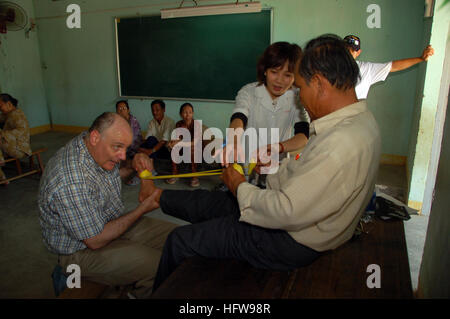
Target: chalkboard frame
141	97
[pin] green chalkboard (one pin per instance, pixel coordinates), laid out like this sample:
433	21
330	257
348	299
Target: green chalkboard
207	57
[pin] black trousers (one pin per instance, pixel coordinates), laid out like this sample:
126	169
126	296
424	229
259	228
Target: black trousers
150	143
216	232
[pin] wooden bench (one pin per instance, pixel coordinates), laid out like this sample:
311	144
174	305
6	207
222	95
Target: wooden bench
88	290
20	172
93	290
341	273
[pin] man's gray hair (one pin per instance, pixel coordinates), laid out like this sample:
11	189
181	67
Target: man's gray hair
103	122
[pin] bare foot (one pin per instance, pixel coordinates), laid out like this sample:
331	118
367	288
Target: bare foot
147	189
151	202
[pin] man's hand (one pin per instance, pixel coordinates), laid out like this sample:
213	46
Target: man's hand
427	52
232	179
230	153
266	156
142	162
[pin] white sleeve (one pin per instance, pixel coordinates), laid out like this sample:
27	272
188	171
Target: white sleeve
374	72
370	73
243	99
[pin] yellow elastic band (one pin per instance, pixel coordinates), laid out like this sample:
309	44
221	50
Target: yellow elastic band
148	175
197	174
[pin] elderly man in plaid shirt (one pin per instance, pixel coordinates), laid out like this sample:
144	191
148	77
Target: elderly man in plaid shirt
82	215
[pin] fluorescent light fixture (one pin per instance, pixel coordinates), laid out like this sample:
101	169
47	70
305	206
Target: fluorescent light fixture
244	7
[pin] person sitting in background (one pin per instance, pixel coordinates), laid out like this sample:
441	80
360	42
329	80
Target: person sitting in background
188	122
15	134
371	73
158	132
123	109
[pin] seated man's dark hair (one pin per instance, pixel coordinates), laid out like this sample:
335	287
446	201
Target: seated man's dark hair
328	56
160	102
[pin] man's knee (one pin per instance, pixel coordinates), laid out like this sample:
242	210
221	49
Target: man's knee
180	238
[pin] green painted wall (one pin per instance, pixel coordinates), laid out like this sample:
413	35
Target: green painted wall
417	112
434	276
434	279
428	103
81	81
20	71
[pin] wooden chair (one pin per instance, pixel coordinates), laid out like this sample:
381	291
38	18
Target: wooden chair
20	172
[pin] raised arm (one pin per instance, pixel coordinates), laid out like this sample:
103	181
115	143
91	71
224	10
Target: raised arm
399	65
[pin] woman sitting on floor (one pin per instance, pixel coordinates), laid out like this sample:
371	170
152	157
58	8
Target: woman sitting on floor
15	135
126	171
123	109
188	122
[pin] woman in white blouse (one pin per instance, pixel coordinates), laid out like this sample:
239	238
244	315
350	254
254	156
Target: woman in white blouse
271	102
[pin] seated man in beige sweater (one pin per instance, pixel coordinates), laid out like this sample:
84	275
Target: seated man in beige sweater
311	205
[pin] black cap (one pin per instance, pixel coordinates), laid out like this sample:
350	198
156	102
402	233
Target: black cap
353	41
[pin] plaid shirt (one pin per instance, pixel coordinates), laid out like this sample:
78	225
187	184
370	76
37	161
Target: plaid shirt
76	198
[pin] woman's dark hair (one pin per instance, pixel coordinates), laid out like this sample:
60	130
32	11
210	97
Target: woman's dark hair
328	56
184	105
122	101
8	98
160	102
275	56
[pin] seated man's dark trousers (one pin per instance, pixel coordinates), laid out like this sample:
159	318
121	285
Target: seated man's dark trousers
216	232
150	143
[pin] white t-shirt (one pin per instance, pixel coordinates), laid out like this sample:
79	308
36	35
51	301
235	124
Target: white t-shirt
255	102
162	131
370	73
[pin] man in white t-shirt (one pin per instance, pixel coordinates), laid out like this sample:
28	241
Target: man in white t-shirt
372	73
158	132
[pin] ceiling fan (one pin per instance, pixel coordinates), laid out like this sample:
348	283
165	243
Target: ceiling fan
12	17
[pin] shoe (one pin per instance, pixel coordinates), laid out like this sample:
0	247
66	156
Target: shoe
171	181
130	296
195	182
